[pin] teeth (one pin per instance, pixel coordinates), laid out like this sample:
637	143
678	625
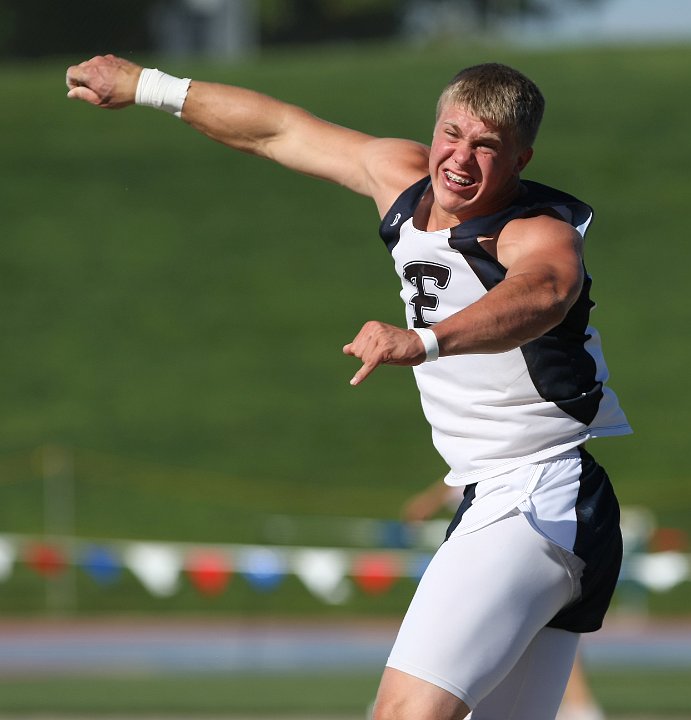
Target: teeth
457	178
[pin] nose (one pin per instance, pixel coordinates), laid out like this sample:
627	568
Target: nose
462	154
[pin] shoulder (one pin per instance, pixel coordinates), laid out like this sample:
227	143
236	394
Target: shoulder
545	235
393	165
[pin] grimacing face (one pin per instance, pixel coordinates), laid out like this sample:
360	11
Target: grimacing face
474	167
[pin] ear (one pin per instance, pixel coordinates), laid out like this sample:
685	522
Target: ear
523	159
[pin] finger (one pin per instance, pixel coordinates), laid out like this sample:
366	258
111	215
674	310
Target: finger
84	93
363	373
358	345
76	74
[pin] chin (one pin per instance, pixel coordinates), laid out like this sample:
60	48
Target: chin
458	205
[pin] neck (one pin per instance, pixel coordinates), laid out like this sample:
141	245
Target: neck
432	217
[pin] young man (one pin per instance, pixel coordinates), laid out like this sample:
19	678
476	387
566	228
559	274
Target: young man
509	370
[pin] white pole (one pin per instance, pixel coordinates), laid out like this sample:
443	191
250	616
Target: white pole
57	467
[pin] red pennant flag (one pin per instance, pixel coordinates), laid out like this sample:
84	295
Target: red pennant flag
210	572
46	559
375	573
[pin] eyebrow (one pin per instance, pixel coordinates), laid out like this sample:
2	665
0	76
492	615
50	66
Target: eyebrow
484	137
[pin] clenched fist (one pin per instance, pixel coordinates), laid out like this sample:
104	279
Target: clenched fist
105	81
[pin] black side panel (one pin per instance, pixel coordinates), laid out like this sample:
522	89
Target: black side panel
599	545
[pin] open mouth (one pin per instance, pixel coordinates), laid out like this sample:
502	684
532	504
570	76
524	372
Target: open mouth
458	179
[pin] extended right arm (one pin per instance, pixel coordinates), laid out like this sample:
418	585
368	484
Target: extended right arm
254	123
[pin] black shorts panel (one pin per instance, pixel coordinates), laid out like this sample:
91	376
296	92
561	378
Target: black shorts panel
599	545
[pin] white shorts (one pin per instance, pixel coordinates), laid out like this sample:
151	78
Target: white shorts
477	625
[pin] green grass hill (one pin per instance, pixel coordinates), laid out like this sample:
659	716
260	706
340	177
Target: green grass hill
173	313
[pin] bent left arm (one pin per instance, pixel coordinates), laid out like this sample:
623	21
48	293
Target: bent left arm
543	257
544	261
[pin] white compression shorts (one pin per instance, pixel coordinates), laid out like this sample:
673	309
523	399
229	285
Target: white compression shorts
477	623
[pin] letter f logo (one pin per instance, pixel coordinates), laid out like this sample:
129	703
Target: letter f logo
416	273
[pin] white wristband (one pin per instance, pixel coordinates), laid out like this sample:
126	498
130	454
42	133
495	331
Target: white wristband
158	90
429	340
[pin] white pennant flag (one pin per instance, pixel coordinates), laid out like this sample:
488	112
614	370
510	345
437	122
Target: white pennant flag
156	566
324	574
7	555
660	571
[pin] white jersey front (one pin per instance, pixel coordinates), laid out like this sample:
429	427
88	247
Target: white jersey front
491	413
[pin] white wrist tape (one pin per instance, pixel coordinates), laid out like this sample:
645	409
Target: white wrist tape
429	340
158	90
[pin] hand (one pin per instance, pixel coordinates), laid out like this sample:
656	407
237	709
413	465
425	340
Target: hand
431	500
380	344
107	82
419	508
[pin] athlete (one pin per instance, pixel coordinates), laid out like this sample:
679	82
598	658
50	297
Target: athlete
510	373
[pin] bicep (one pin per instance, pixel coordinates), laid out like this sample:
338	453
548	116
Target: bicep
380	168
310	145
261	125
258	124
546	254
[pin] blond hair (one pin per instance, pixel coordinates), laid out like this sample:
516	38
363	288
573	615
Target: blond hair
498	95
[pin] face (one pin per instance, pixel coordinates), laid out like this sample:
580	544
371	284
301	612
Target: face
474	167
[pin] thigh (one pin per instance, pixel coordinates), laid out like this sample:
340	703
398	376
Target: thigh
482	600
534	688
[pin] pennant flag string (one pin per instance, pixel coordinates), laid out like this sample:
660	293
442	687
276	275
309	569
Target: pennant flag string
330	574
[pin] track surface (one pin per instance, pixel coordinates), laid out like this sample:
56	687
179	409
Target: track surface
44	647
39	647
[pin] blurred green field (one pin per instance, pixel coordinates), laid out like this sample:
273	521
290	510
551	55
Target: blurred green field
174	313
633	693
